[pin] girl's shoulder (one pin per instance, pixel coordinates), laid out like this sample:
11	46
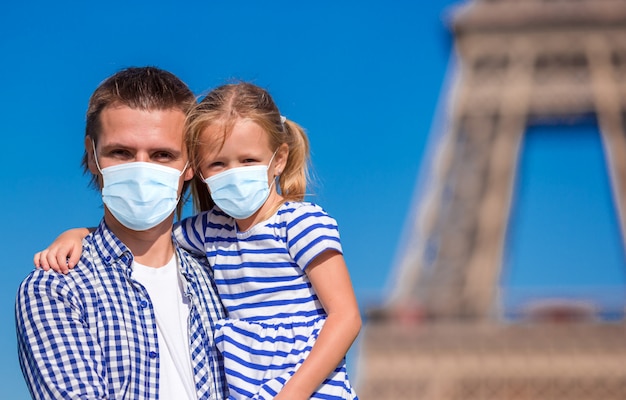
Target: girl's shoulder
290	207
298	210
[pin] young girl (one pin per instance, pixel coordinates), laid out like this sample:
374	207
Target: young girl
277	260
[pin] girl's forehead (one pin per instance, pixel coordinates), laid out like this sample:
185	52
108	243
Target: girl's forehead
224	127
238	127
239	132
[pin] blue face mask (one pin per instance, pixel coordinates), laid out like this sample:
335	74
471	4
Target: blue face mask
140	195
240	192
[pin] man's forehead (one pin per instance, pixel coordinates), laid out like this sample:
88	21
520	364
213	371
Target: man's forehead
127	127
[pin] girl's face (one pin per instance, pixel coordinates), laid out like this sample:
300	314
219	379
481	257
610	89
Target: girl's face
247	144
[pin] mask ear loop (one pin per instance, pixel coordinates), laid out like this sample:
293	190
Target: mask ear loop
95	157
184	169
179	175
268	166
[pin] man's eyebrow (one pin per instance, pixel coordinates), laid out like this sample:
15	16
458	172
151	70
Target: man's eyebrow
173	150
114	144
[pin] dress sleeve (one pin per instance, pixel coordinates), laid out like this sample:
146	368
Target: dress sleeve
190	232
59	357
311	232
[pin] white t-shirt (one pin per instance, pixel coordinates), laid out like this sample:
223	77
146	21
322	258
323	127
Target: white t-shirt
171	309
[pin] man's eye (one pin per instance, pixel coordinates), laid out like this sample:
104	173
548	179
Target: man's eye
163	156
119	153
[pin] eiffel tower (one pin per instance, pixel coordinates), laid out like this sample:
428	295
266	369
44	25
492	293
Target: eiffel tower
438	337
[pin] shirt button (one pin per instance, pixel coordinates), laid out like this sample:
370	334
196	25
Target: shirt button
143	304
152	354
108	258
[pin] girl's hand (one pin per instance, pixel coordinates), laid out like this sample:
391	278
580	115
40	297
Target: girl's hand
63	254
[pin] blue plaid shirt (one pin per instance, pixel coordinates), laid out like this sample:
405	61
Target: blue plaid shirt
91	334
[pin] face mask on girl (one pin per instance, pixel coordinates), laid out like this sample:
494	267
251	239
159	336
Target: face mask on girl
241	191
140	195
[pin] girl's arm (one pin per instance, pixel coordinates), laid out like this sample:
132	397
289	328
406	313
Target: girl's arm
63	254
330	279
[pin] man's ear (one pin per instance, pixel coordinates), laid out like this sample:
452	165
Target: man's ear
90	150
280	160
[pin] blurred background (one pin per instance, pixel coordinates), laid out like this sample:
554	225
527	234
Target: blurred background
510	278
472	152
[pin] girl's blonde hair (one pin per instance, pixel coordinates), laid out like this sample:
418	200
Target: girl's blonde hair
225	105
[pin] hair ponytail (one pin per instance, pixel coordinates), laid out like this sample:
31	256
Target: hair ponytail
295	176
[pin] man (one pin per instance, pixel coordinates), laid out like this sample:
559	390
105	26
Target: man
134	318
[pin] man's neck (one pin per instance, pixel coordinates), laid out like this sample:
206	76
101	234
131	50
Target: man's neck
152	247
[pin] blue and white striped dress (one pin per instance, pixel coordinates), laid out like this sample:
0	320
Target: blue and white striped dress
274	314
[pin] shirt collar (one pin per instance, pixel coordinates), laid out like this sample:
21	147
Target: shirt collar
109	248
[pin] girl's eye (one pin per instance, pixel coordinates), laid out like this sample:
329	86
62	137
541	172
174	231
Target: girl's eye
216	165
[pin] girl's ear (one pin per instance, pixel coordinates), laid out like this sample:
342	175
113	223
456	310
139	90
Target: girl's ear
280	160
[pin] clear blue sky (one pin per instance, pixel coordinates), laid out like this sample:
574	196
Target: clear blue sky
362	77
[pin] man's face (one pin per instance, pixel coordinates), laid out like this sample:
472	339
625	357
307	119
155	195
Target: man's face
129	135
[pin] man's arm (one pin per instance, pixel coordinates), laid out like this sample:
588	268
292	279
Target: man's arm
59	357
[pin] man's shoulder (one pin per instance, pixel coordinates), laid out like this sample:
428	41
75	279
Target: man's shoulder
82	271
39	278
40	284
